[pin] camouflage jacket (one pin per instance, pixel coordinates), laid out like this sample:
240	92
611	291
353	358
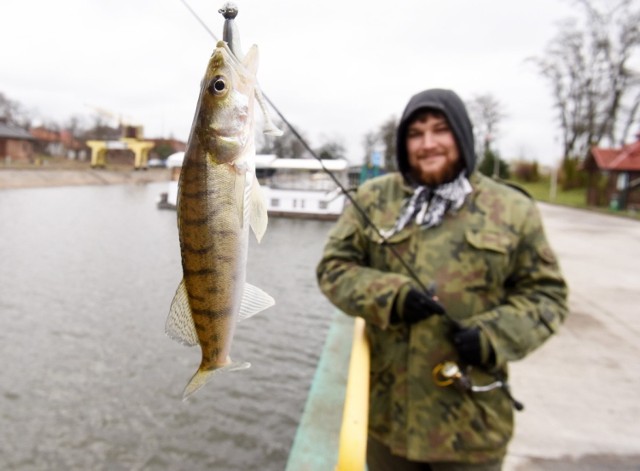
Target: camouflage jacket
493	268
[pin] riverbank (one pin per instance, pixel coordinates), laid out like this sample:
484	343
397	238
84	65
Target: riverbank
12	178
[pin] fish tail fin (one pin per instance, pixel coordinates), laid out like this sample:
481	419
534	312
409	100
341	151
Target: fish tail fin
203	376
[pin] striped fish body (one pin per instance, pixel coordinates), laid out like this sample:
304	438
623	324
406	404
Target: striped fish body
213	246
218	201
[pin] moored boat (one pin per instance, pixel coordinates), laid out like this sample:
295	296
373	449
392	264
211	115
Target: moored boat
291	187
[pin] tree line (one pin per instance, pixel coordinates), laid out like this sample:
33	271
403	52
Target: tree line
590	66
99	126
82	127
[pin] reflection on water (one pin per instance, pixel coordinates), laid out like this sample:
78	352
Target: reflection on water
90	381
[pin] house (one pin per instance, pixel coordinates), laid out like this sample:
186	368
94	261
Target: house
74	149
16	144
614	176
47	141
58	143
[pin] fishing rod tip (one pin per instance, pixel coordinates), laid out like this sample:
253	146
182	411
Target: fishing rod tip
229	10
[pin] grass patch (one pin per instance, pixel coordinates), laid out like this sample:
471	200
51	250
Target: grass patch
575	198
541	191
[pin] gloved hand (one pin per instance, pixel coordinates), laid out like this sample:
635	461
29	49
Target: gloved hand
473	346
416	307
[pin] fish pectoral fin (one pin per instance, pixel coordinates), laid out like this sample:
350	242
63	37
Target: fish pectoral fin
180	326
258	217
254	300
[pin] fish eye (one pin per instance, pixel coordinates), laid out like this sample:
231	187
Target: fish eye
217	86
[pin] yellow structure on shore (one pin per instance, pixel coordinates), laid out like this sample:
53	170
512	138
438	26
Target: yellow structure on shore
132	141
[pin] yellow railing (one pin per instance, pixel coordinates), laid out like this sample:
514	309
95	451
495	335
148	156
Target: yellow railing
352	450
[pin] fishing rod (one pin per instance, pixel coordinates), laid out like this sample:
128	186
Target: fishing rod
445	373
229	11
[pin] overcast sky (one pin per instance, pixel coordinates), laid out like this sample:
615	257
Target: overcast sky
335	68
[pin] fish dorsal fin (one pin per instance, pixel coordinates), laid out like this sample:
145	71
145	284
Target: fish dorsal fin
250	60
254	300
180	326
258	217
250	63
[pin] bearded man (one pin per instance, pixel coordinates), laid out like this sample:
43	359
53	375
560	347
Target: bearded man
478	284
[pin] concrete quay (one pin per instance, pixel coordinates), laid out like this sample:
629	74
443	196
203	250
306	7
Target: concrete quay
582	388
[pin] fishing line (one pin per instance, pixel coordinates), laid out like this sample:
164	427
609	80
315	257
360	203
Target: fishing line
204	25
335	179
501	383
346	192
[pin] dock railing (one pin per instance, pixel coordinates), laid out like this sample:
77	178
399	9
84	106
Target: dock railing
352	451
332	432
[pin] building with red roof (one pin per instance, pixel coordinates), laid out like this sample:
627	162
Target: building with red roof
614	176
58	143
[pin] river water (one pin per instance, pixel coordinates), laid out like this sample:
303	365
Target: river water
88	378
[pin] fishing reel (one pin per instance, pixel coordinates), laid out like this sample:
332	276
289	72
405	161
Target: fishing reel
449	373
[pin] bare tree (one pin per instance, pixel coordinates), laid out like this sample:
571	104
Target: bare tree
101	129
76	125
14	113
486	114
382	140
331	148
285	146
388	131
595	89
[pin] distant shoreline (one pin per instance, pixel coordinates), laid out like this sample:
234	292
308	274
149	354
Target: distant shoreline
16	178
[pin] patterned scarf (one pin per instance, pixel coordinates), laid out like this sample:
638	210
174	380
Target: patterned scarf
429	205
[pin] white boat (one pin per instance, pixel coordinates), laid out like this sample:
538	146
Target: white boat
291	187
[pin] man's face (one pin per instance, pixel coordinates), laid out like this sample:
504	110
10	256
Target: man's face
432	150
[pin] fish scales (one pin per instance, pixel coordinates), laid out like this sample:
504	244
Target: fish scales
218	201
210	271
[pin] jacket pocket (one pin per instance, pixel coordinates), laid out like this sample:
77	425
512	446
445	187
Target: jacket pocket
488	259
488	417
493	241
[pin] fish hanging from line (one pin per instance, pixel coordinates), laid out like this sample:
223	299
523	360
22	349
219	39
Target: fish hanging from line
219	198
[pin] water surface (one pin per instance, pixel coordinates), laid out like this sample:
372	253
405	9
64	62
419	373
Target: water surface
89	379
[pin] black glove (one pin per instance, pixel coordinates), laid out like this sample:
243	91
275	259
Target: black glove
417	306
473	347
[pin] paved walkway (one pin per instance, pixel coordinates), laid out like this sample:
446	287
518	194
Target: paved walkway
582	389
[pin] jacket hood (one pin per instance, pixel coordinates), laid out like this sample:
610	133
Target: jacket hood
450	104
